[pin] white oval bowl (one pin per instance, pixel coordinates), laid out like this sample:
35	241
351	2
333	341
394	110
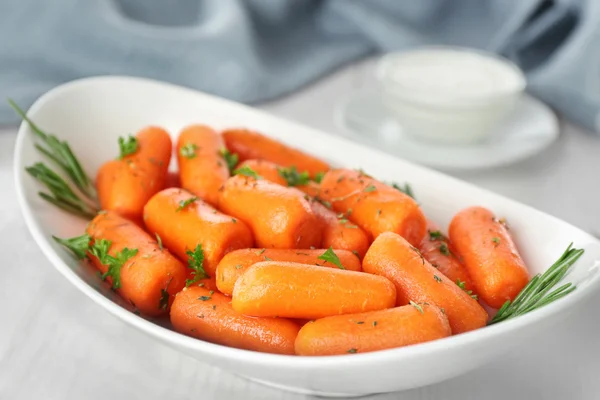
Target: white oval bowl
92	113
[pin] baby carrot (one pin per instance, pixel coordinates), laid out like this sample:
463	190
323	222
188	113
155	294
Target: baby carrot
372	205
279	217
417	280
292	290
372	331
439	251
495	266
201	167
283	176
234	264
208	315
184	222
142	272
253	145
125	185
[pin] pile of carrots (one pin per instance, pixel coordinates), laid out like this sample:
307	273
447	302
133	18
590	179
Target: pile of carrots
259	246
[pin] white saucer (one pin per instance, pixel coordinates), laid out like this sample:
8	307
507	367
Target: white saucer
532	127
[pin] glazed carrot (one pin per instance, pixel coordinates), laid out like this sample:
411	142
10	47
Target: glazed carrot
201	167
149	277
440	252
207	315
279	217
275	173
417	280
283	289
183	222
338	232
234	264
372	331
125	185
490	255
372	205
253	145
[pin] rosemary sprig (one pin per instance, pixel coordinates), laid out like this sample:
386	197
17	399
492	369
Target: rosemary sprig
60	152
62	195
537	293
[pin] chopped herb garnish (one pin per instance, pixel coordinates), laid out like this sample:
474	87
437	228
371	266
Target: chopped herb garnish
79	245
418	307
247	171
159	240
188	150
378	212
268	259
340	179
234	220
437	278
319	177
406	189
184	203
443	310
196	264
370	188
230	158
260	252
462	286
436	235
413	248
496	241
211	292
374	323
100	250
214	307
127	146
293	177
444	249
355	252
238	266
204	298
163	302
324	202
352	351
360	322
331	257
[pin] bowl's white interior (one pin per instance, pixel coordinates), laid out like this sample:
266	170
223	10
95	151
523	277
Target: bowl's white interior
91	114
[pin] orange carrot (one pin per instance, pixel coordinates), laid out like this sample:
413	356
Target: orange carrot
372	331
495	266
125	185
276	173
417	280
279	217
184	222
283	289
234	264
201	166
253	145
338	232
207	315
372	205
149	277
440	252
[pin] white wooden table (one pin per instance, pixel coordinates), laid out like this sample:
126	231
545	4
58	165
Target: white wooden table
57	344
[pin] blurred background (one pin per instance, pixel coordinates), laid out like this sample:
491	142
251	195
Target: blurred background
502	93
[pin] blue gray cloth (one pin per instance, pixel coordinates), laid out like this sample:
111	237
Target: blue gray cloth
256	50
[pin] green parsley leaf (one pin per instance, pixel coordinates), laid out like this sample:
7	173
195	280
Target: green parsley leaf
79	245
100	250
204	298
406	189
196	264
418	307
360	322
319	177
370	188
268	259
188	150
496	241
331	257
413	248
436	235
127	146
163	302
324	202
355	252
184	203
437	278
258	253
239	266
444	249
247	171
234	220
230	158
293	177
352	351
374	323
461	285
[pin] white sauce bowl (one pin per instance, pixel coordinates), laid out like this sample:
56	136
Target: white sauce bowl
448	94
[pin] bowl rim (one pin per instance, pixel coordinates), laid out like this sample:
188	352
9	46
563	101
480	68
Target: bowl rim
254	357
401	91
